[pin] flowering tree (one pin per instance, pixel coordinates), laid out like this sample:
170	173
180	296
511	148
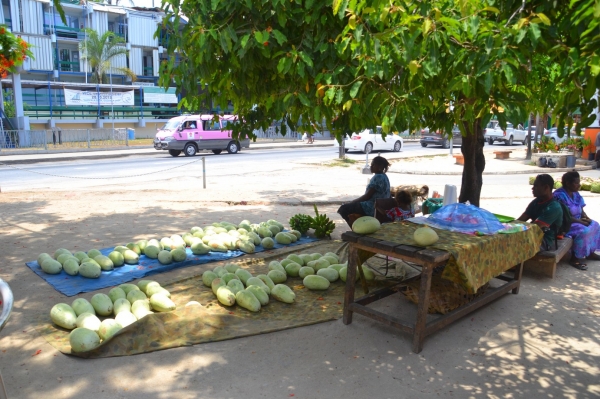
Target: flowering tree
13	51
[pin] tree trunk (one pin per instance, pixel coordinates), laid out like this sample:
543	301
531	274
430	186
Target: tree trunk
529	143
472	150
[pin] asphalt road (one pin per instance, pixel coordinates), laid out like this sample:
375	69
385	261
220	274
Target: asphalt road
159	166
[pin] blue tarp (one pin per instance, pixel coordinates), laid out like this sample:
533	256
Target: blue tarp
73	285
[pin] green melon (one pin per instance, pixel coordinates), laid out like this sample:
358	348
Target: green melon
117	258
92	253
165	257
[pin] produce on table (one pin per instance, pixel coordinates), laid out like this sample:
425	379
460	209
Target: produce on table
292	269
104	262
136	295
165	257
116	293
243	275
64	316
278	276
332	255
121	305
102	304
108	328
267	280
220	271
595	187
208	277
247	300
267	243
60	251
125	318
89	321
369	274
134	247
81	305
425	236
322	225
300	222
157	289
226	296
330	274
259	293
305	271
179	255
274	265
80	255
92	253
344	274
216	284
296	259
228	277
235	286
127	287
116	258
51	266
144	284
258	282
90	270
366	225
338	266
283	293
83	340
316	282
71	266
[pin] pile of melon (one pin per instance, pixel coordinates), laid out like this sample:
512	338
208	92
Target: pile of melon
233	285
127	303
587	184
217	237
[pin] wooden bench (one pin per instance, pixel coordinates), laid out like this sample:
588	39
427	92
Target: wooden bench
460	159
502	154
545	262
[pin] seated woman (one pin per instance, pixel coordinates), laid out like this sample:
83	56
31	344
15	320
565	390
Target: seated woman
378	187
584	231
404	210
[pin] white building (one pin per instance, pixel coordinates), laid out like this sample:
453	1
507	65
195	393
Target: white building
57	65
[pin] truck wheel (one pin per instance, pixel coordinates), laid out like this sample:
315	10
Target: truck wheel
490	141
190	150
423	144
174	153
233	147
509	141
216	152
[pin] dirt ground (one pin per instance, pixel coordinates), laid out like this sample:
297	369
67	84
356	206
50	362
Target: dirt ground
544	342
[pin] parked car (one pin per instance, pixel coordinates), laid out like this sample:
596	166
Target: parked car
552	134
493	132
532	136
192	133
437	138
369	141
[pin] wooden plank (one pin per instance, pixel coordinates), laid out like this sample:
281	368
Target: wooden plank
350	281
350	236
387	246
491	295
368	241
382	317
517	278
407	250
433	255
422	308
379	294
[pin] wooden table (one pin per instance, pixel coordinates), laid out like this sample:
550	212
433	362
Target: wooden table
429	259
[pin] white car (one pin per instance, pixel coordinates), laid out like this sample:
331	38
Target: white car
532	136
369	141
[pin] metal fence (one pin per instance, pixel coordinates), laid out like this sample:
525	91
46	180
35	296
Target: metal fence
62	139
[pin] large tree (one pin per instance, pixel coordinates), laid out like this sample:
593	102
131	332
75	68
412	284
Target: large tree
401	64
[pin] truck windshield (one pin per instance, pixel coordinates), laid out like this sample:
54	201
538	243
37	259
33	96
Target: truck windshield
171	125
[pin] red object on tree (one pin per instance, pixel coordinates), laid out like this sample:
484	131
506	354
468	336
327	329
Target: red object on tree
13	51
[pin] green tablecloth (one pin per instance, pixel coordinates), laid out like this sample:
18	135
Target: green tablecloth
474	260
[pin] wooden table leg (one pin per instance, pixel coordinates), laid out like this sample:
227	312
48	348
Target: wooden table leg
419	333
517	276
363	279
350	283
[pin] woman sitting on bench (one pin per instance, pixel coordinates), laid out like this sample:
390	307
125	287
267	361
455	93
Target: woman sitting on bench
584	231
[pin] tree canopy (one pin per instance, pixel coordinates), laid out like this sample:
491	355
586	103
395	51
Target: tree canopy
402	65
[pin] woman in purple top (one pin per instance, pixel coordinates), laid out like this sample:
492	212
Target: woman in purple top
584	231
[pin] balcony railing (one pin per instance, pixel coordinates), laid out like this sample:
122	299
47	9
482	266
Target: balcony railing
69	66
149	71
64	31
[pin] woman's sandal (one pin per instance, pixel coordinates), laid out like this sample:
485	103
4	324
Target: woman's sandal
593	256
576	263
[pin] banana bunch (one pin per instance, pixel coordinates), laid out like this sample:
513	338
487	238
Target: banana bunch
301	223
322	225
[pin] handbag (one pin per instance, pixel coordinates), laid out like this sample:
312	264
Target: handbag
550	163
543	162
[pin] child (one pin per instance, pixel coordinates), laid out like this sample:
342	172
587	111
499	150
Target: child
404	210
378	187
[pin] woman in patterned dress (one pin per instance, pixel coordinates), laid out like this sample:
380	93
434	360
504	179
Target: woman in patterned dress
584	231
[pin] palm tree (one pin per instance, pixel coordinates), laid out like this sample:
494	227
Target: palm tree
98	51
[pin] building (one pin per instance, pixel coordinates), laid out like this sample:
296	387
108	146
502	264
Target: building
56	85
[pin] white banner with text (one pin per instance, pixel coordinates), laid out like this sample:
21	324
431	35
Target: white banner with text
81	97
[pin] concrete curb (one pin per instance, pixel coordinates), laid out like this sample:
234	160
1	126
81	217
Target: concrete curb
102	155
510	172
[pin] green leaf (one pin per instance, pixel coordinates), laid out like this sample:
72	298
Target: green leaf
259	37
280	37
491	9
214	4
354	89
413	66
339	96
304	100
336	6
305	58
368	10
545	20
347	105
244	40
534	33
352	22
384	14
281	65
427	24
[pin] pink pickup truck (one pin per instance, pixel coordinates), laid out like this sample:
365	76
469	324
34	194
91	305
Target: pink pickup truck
192	133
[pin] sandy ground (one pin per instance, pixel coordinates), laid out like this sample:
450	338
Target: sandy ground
544	342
